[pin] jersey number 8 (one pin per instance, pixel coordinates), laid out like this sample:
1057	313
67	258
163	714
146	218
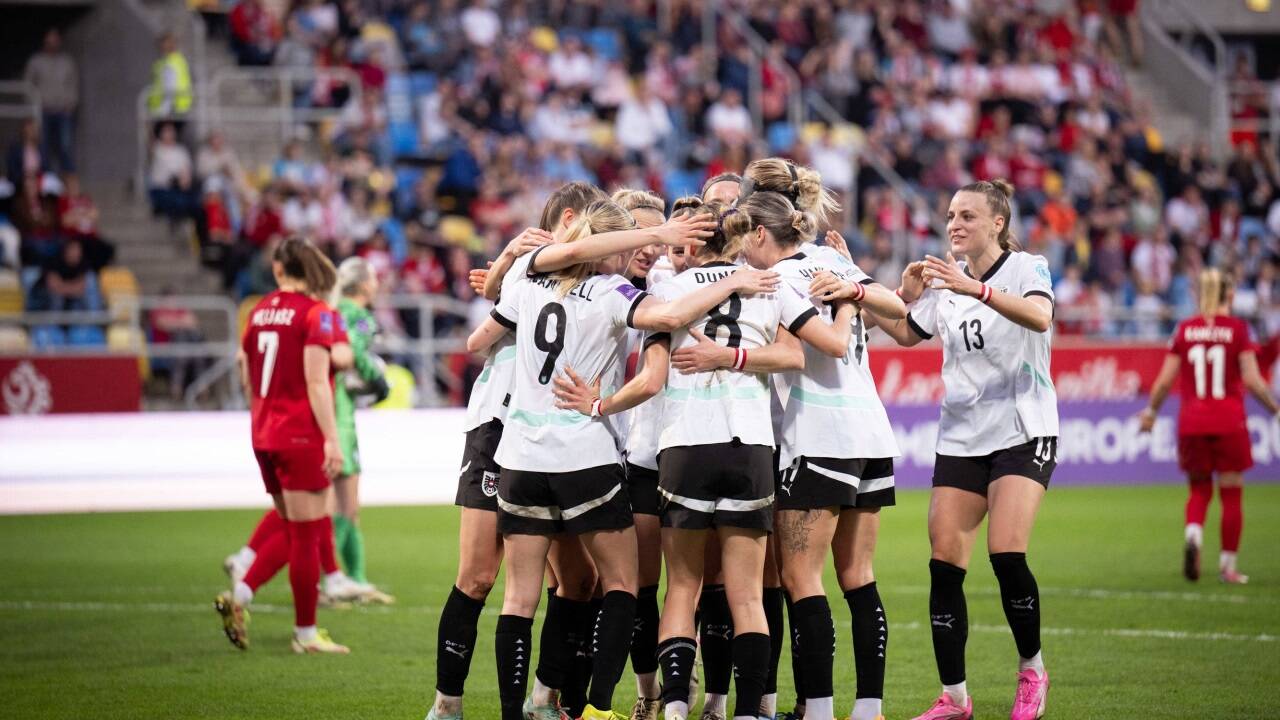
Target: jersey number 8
727	319
553	345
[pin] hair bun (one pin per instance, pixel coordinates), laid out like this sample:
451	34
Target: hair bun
1004	186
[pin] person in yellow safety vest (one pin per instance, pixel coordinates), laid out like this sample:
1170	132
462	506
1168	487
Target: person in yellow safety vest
170	81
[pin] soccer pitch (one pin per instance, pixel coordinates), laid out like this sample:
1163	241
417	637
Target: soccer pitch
109	616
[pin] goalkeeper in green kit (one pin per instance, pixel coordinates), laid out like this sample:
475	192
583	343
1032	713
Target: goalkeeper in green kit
356	288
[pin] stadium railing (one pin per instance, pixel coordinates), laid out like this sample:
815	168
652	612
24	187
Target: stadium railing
19	100
1201	86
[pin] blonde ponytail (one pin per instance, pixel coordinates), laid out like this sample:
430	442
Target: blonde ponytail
1215	285
600	216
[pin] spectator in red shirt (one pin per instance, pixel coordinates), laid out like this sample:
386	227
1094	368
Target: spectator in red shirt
423	272
171	321
78	218
266	223
254	33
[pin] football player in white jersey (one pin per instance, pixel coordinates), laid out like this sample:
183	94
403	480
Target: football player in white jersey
836	459
648	210
997	438
479	543
716	458
561	470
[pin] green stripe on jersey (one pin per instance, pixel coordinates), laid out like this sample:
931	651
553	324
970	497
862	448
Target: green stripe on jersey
833	401
505	355
714	392
1026	367
538	419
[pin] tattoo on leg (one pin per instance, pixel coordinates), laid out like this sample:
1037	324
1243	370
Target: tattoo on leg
794	528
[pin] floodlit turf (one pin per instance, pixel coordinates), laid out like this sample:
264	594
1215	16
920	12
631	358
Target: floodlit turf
109	616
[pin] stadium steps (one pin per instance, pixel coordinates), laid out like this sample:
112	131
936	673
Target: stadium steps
1175	125
145	245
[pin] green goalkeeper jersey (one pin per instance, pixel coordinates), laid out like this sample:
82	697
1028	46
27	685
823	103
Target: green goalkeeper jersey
361	328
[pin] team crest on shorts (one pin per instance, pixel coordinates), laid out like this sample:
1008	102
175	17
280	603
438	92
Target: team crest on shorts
489	485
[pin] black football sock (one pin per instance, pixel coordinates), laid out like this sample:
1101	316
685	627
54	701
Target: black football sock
511	644
676	656
949	619
1021	599
456	641
555	654
716	636
797	667
644	639
610	643
774	599
573	697
812	619
750	666
870	639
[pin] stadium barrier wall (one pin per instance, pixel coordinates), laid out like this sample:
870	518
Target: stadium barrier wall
130	461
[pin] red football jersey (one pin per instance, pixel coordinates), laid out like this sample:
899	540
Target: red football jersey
279	327
1211	388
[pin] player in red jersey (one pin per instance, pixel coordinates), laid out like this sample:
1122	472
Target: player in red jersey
1220	364
285	367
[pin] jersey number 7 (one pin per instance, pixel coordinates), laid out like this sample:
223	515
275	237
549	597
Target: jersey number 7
268	345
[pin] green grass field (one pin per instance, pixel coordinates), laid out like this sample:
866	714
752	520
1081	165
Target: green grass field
109	616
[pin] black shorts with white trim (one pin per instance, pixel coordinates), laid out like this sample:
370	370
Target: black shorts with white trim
1035	459
478	480
541	503
813	483
718	485
642	487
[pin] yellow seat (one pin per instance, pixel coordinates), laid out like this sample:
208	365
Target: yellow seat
116	280
9	280
13	339
242	314
457	230
10	301
124	338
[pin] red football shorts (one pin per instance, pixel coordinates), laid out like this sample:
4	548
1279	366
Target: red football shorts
1215	453
300	469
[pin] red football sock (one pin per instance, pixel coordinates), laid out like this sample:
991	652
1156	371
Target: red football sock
304	569
270	524
1232	517
1198	500
271	557
328	561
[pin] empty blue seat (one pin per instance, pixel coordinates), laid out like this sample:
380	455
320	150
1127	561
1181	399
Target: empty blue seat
397	243
682	182
47	337
605	42
86	336
781	137
403	138
422	84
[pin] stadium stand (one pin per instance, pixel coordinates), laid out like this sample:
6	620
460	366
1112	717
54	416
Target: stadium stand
425	134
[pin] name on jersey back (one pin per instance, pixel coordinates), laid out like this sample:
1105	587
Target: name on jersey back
1209	334
274	316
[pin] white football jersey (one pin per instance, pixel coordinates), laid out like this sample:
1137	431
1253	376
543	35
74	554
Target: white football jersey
720	405
583	330
491	392
645	420
995	372
831	408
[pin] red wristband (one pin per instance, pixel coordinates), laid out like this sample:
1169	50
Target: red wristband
898	292
985	295
739	358
595	408
859	292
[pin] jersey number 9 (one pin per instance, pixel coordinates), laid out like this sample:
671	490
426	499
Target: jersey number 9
553	345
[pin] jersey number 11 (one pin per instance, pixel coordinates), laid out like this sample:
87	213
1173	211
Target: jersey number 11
1215	355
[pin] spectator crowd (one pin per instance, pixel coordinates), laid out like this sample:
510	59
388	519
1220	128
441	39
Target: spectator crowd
449	122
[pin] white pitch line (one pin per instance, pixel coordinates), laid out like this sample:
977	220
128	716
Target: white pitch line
88	606
1105	594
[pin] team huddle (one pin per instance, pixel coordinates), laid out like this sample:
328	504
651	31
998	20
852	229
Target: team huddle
690	392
